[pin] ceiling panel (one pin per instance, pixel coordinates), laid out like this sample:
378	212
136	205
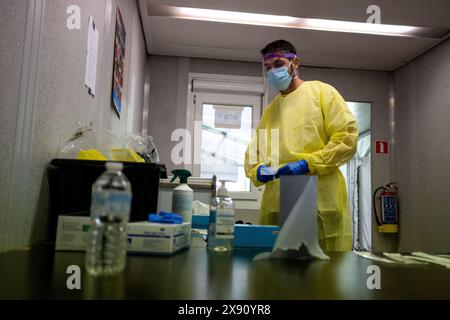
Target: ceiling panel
180	37
425	13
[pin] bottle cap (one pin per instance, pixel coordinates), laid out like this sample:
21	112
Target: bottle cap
183	174
222	191
114	166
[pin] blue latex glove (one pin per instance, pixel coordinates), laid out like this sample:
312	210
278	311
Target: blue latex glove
265	174
165	217
293	169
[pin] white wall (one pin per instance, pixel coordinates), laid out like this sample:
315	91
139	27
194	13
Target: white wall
422	90
62	99
137	57
12	17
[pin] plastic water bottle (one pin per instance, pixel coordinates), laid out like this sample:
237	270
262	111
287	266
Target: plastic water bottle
221	221
110	211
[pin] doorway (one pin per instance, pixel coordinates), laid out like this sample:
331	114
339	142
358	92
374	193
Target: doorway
357	173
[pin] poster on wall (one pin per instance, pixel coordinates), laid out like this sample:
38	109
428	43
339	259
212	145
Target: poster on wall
119	56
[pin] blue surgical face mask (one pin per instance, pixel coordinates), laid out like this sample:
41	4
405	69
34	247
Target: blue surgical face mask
279	78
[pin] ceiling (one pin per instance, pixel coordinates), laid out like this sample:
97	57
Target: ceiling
218	40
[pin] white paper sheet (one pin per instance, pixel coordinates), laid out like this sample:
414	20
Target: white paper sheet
91	57
397	257
227	117
298	235
371	256
431	258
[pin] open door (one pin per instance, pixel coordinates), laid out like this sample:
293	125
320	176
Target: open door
357	173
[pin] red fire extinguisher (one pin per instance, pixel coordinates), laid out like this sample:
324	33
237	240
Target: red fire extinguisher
388	222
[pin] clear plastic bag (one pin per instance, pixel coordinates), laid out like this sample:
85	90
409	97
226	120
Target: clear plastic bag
89	143
142	145
83	139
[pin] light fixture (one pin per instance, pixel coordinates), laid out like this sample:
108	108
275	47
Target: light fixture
292	22
358	27
234	17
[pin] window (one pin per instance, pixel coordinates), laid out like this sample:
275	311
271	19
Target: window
226	112
223	145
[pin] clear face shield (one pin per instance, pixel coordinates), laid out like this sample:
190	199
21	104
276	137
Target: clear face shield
278	77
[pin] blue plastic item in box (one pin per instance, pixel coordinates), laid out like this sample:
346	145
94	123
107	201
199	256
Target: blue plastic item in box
255	236
200	221
165	217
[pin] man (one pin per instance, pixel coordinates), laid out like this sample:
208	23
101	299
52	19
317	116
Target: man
317	134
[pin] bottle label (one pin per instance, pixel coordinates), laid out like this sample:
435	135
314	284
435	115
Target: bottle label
224	224
110	203
182	205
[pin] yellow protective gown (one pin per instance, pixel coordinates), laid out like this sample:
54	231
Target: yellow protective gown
315	124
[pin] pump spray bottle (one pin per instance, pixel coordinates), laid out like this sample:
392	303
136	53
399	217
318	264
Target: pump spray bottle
182	195
221	221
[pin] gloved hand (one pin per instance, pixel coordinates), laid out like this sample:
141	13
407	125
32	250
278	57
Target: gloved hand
265	174
293	168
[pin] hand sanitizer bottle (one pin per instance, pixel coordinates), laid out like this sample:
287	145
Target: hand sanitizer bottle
182	195
221	221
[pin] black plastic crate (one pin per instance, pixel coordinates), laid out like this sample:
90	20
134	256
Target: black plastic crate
70	185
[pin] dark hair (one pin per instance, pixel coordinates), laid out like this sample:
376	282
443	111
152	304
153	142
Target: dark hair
279	45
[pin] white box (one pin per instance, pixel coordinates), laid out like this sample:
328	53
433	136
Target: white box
143	237
72	233
158	238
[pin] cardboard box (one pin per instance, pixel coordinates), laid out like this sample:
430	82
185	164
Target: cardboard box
72	233
158	238
245	236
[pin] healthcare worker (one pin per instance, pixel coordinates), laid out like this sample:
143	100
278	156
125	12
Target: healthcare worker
306	129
